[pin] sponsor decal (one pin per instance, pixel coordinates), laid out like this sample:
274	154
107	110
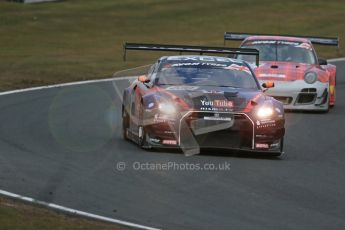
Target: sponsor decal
275	145
167	66
305	46
263	42
169	142
198	64
265	123
258	42
261	146
272	75
223	103
216	117
288	43
266	126
238	68
218	103
155	140
185	64
182	87
169	132
163	118
197	58
150	105
212	91
216	109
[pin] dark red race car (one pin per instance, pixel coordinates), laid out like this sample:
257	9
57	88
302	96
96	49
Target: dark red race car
302	81
194	101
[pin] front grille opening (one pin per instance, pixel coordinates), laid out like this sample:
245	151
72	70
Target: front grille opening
306	98
308	90
238	135
284	100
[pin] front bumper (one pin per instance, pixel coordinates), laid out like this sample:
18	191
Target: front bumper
225	130
299	95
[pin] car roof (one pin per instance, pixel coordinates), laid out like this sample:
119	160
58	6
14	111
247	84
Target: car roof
277	38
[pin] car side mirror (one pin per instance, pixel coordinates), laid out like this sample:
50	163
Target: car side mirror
267	85
322	61
143	79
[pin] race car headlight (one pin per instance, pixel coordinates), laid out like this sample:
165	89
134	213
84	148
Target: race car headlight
265	112
310	77
167	108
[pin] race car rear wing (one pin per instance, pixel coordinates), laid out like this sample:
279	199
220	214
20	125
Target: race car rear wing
190	49
330	41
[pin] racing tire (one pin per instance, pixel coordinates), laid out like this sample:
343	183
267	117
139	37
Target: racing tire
281	153
142	134
332	106
335	93
125	123
328	106
142	139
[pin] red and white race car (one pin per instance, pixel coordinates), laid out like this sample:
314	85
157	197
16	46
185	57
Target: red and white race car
302	81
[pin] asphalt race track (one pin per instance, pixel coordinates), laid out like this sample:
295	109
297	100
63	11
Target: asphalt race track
62	145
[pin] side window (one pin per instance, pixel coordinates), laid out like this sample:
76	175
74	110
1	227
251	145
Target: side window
152	72
152	69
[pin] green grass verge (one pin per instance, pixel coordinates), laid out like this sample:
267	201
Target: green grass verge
19	215
82	39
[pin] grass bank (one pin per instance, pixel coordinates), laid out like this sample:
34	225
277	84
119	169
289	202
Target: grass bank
82	39
19	215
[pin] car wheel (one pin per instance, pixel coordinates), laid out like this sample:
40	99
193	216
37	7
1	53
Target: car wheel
331	106
328	106
281	153
142	136
125	123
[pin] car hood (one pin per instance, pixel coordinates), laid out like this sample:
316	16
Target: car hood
211	98
282	71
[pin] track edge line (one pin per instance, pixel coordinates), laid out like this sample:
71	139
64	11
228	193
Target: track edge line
63	85
93	81
75	211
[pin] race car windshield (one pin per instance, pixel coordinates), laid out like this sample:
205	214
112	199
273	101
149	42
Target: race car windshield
206	74
284	51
